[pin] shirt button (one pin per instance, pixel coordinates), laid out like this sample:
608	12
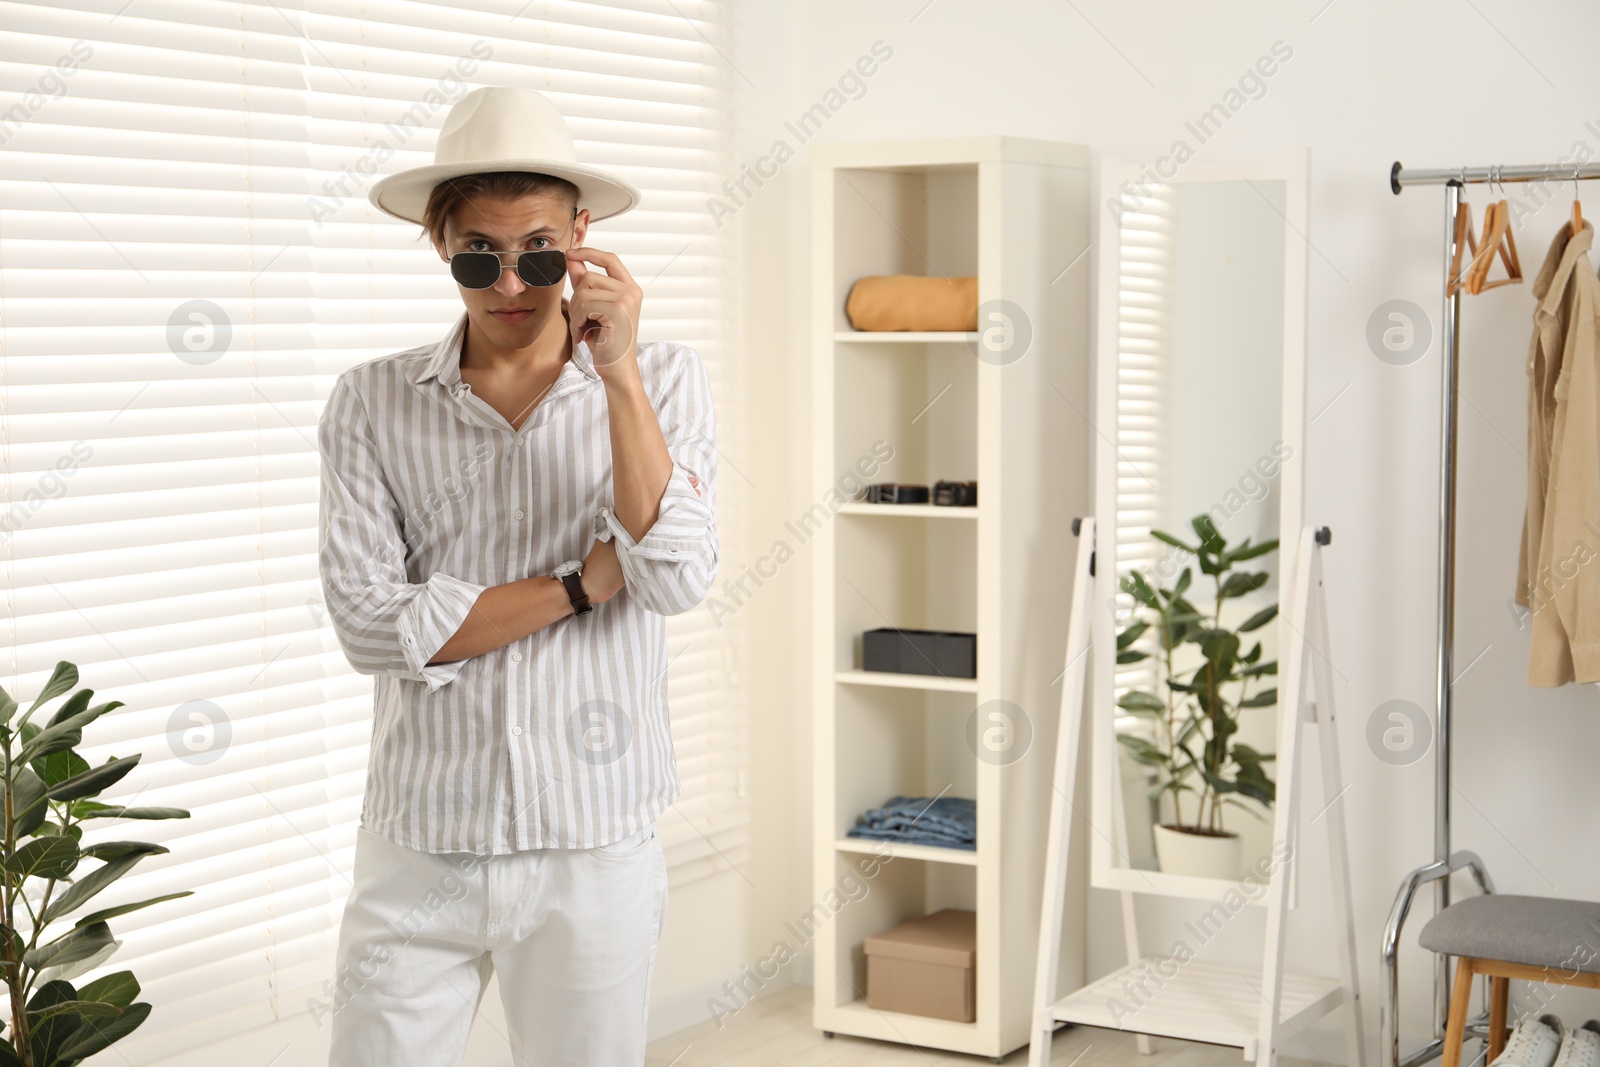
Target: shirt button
517	730
518	513
411	640
517	656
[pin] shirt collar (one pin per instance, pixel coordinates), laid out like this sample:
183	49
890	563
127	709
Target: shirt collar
444	359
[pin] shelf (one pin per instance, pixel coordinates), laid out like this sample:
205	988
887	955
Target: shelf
917	407
908	511
860	1019
906	336
932	853
1199	1002
908	681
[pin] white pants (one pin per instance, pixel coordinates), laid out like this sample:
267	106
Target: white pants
572	933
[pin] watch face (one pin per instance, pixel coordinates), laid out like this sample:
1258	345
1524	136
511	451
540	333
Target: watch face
571	566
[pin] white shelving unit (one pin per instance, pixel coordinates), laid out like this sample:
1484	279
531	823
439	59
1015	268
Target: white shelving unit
979	405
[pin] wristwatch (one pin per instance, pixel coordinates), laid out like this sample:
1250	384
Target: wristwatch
568	573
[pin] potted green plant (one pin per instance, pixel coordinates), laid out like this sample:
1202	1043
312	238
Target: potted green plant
49	790
1204	681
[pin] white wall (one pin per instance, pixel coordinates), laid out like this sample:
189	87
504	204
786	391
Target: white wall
1429	83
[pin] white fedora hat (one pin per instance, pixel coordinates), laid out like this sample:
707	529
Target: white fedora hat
502	127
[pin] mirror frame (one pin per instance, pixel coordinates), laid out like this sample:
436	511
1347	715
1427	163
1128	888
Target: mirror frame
1293	169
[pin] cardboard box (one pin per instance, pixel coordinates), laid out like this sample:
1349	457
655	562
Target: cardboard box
926	966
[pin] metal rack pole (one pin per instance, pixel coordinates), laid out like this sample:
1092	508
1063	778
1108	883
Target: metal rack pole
1445	861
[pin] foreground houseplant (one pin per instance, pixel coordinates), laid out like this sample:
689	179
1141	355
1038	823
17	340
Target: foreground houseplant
48	795
1196	713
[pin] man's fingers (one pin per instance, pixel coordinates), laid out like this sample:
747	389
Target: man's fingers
606	261
601	283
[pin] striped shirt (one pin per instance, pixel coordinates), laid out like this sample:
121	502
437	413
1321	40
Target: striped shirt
560	739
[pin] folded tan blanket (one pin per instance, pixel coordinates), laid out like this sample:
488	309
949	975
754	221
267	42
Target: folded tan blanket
912	302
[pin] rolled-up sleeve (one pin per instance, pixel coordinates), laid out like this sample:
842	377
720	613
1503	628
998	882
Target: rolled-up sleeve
386	623
670	569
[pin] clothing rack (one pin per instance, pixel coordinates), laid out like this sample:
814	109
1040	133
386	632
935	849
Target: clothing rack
1446	862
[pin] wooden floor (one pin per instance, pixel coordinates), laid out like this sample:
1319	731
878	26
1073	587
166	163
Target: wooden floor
777	1030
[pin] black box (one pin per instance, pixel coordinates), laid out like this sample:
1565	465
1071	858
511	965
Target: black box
902	651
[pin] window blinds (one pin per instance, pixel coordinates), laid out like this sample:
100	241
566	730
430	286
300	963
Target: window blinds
1144	285
187	260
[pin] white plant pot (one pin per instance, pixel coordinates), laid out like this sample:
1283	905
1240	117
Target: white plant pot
1200	855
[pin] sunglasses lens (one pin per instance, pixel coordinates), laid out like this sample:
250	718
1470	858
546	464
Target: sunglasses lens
547	266
475	270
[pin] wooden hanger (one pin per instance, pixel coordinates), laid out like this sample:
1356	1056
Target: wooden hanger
1497	240
1459	241
1577	208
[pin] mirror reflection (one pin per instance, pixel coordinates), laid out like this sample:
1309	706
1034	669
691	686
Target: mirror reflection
1200	445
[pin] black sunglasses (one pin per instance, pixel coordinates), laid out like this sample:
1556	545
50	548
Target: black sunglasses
481	270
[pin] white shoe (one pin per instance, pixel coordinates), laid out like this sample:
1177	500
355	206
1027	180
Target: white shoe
1580	1047
1535	1043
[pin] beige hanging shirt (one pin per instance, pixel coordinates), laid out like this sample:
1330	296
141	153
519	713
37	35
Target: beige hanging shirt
1558	573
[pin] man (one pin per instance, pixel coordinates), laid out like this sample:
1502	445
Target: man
506	517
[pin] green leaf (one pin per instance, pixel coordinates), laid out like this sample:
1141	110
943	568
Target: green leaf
1143	751
110	850
57	767
1239	584
50	993
81	1008
1139	700
1210	539
116	811
28	806
1254	783
119	989
1131	634
1162	535
65	733
8	706
97	1034
1242	553
78	943
95	779
1183	583
1260	669
1265	698
64	678
44	857
123	909
1186	734
71	706
72	830
1259	619
82	966
89	885
1131	656
8	1055
1133	584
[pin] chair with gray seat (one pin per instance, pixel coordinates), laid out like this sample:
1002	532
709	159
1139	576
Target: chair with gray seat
1505	936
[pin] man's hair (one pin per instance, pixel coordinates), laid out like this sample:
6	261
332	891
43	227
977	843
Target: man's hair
501	183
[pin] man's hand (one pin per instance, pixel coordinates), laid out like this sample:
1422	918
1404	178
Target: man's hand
602	573
604	311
